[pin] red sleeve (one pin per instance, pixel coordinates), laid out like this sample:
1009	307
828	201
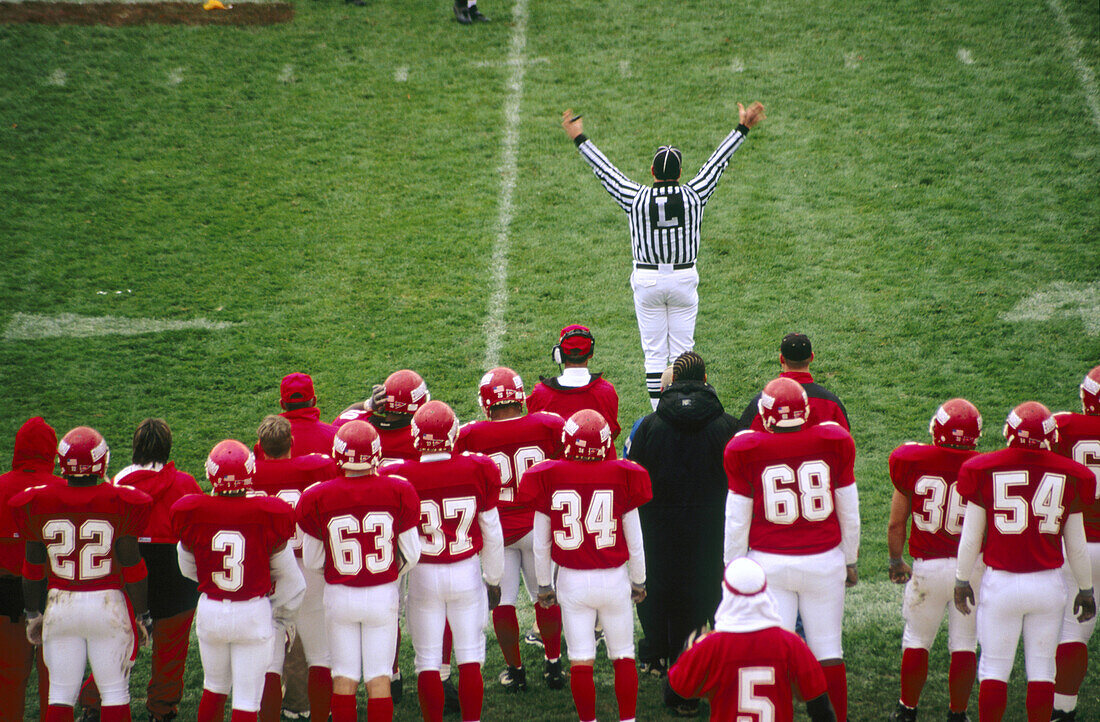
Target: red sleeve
409	515
898	467
806	673
305	513
611	401
490	485
282	523
536	399
968	483
738	484
179	516
690	674
530	491
19	505
847	461
136	506
638	487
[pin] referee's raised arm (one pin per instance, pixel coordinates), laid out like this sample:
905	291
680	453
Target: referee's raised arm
621	188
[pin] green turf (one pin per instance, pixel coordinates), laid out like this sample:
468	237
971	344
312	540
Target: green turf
896	205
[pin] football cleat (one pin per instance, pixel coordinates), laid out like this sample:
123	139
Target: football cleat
476	15
552	675
1031	426
462	14
783	403
406	392
434	427
963	717
586	436
1090	393
502	385
956	423
1060	716
450	697
533	638
902	713
230	467
83	452
397	688
356	447
514	679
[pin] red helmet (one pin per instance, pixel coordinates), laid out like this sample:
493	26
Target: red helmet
1090	393
956	423
230	467
1031	426
502	385
83	452
405	392
356	447
783	403
586	436
434	427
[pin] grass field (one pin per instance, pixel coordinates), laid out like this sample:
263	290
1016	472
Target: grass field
366	189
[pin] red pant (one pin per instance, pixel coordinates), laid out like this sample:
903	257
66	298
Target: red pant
16	655
171	636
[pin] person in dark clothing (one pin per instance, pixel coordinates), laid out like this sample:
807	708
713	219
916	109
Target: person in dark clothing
795	355
681	445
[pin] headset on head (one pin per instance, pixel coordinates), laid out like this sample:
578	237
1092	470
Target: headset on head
558	354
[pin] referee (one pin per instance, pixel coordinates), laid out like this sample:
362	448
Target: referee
664	238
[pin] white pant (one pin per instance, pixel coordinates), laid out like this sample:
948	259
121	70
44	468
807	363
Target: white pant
235	645
1011	603
362	629
666	303
928	595
588	594
92	628
441	593
519	556
811	585
1072	630
311	619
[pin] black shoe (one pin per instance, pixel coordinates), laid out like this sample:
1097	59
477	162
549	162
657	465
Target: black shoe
687	708
1060	716
514	679
166	718
90	714
654	668
462	14
962	717
476	15
397	688
902	713
356	3
450	697
552	675
533	638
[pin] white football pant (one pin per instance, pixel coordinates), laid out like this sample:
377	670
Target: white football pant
586	595
811	585
235	645
441	593
1011	603
929	594
362	629
666	303
92	628
518	557
1072	630
311	619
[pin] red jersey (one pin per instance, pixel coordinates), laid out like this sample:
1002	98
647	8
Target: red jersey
397	443
358	519
586	502
79	526
288	478
514	445
165	486
233	538
745	674
791	478
1079	439
598	394
452	491
1027	495
824	404
32	464
926	474
309	435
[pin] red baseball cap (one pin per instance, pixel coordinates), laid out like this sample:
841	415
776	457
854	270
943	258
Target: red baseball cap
296	388
576	341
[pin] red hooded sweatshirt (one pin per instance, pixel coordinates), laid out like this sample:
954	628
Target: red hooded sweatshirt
32	465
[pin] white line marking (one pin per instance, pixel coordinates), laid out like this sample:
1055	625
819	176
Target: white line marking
401	74
27	326
964	56
507	63
1061	299
624	68
175	76
851	60
58	77
498	263
738	65
1084	72
286	75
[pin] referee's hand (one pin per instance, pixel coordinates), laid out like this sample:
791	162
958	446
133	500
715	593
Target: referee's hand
574	127
751	116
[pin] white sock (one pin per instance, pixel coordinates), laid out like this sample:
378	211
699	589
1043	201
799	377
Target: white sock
1065	702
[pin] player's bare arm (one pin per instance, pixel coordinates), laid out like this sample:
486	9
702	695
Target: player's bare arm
900	509
34	591
749	116
573	124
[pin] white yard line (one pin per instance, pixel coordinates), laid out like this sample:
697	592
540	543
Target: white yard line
498	262
401	74
1084	72
29	326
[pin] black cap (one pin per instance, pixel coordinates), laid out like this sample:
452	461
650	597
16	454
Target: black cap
796	347
666	163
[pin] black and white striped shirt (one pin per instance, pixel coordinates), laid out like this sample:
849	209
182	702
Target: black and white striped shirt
664	217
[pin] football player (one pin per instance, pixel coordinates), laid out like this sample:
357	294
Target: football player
458	520
234	545
576	388
358	530
82	546
749	665
284	476
1026	501
793	507
1079	439
32	465
299	403
924	477
515	441
390	409
586	520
